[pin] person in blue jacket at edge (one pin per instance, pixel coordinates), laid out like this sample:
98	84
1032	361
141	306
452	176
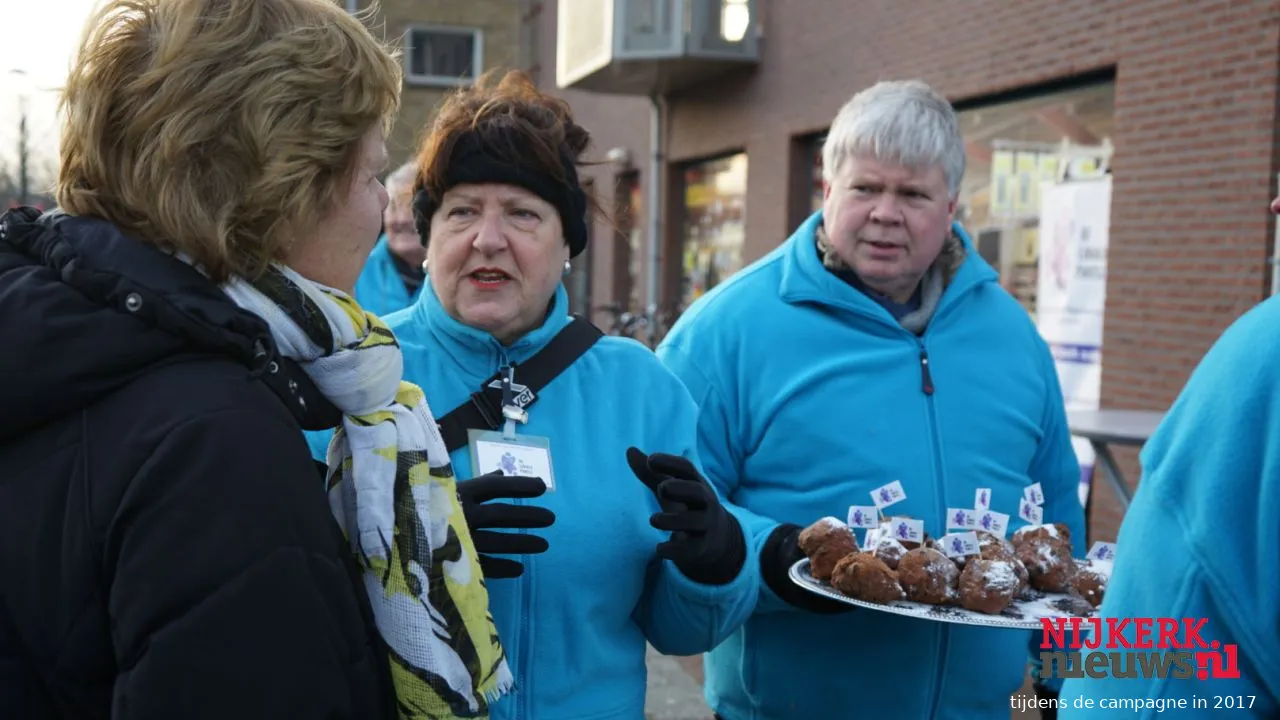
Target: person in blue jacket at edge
393	276
1200	542
639	547
874	345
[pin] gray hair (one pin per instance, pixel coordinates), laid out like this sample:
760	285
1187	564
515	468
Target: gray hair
902	121
399	183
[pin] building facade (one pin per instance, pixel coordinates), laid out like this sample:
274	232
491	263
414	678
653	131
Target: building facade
1175	101
444	44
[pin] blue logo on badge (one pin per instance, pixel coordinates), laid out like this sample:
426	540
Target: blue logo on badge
507	464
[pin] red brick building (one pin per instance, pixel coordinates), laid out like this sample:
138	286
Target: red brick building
1181	93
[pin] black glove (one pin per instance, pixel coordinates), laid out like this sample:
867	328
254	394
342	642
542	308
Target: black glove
480	517
706	541
782	550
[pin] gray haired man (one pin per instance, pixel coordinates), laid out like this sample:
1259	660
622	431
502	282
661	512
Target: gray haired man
393	275
873	346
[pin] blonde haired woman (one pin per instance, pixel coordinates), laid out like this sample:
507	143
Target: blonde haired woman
165	542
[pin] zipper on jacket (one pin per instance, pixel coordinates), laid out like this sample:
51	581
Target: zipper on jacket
526	599
926	380
941	497
525	694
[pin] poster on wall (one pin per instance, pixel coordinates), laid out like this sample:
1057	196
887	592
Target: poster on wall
1001	195
1071	293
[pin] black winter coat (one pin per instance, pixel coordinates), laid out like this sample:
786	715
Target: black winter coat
166	548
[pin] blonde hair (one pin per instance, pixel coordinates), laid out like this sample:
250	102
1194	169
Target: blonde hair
222	129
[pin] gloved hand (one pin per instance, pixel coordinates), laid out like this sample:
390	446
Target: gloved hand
706	543
481	516
782	550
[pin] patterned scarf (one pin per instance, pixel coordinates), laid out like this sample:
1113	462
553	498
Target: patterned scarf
932	285
391	488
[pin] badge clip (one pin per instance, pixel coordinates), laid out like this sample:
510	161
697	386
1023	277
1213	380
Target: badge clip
510	411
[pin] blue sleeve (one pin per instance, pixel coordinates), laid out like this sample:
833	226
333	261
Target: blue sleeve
1200	539
677	615
1055	465
1180	585
721	455
1057	469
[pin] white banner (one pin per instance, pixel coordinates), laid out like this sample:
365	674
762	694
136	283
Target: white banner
1071	295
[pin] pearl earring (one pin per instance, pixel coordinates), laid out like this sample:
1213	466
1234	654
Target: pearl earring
567	267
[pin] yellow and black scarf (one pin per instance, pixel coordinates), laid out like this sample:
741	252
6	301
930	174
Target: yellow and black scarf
391	488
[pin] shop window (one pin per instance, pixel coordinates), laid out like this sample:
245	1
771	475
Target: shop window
815	152
715	199
1011	148
628	253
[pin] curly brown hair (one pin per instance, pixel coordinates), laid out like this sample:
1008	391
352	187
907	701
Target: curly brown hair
516	123
222	129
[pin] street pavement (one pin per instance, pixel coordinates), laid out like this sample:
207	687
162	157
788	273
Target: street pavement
673	693
675	690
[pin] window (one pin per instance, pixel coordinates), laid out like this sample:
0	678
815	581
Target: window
815	153
1011	148
628	248
735	20
436	55
715	199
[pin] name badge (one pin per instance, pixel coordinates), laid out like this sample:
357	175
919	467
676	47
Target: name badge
528	455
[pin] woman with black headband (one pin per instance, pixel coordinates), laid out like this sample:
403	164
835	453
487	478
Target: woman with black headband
592	438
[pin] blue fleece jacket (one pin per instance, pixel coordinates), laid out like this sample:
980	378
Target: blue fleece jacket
1201	540
575	624
811	396
379	289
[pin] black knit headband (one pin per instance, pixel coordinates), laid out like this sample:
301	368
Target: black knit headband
470	164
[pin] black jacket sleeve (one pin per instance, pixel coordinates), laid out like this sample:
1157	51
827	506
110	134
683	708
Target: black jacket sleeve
229	596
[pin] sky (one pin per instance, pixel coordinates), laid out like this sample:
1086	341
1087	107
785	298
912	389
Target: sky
41	42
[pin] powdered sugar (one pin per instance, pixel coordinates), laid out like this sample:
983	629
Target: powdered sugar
1047	557
1049	530
999	574
832	523
889	544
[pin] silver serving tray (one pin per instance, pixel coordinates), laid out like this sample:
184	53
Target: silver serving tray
1022	614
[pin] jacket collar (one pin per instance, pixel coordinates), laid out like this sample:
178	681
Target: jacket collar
806	280
478	352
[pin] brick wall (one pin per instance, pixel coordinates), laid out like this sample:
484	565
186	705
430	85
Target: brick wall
614	122
1195	161
499	20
